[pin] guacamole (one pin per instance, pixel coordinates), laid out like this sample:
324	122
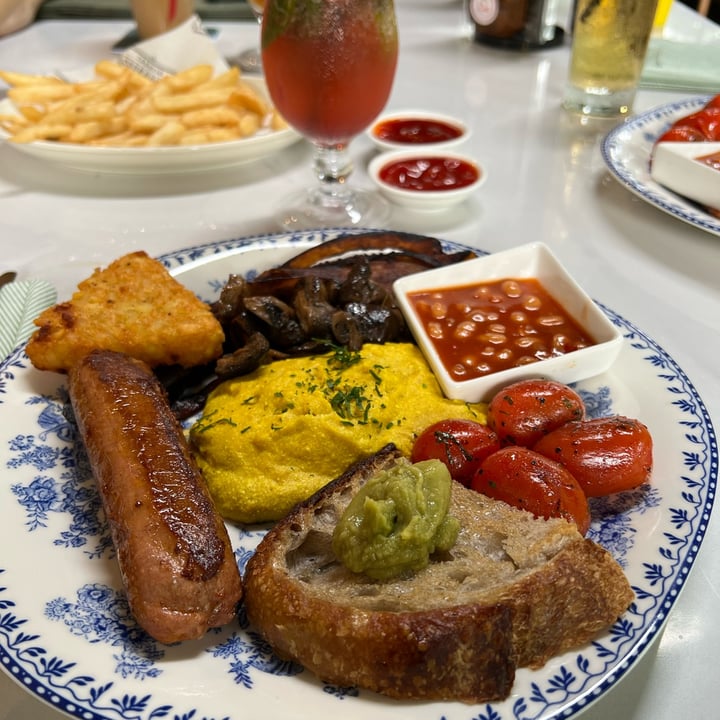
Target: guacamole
397	520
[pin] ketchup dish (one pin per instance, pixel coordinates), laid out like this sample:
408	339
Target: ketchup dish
426	180
408	129
690	169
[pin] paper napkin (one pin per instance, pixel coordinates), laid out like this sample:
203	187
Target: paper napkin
20	303
178	49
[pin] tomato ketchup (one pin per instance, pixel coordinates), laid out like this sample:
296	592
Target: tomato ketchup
430	173
416	131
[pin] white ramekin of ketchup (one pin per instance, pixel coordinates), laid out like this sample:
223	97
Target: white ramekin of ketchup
425	179
411	129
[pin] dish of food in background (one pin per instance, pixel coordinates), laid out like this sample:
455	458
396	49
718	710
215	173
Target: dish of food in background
520	309
407	129
690	169
201	124
78	619
686	158
627	152
701	125
426	180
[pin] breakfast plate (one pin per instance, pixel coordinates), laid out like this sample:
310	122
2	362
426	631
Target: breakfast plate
66	635
626	151
156	160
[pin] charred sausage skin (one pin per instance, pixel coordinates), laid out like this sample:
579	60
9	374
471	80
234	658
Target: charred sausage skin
174	553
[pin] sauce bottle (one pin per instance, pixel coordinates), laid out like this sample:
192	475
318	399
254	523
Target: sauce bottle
520	24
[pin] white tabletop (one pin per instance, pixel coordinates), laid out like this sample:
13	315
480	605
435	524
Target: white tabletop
546	181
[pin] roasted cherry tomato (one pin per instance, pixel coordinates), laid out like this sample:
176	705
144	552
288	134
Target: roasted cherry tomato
523	412
530	481
605	455
682	133
461	444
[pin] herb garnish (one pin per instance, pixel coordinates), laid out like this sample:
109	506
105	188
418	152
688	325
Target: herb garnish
350	402
209	421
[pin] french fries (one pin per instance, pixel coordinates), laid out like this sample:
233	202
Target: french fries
122	108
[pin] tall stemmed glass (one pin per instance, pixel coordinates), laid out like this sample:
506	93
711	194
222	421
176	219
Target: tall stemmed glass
250	60
329	67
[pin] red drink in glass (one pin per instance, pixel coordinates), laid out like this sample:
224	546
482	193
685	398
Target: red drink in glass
330	66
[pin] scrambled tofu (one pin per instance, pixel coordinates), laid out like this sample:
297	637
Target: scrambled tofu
270	439
133	306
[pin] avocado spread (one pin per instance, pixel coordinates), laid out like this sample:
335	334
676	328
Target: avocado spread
397	521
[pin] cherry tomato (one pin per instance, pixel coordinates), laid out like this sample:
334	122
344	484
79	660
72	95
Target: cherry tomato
682	133
523	478
461	444
605	455
523	412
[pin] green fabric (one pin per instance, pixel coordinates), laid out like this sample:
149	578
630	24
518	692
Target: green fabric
120	9
671	65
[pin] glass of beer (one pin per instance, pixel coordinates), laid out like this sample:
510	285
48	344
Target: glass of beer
329	67
610	39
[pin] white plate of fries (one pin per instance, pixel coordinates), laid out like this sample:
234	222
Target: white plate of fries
119	121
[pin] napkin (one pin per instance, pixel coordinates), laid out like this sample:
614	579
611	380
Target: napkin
673	65
178	49
20	303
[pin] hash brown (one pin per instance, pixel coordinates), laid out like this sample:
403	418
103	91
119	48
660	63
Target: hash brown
132	306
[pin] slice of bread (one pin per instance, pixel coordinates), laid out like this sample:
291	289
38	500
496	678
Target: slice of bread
513	591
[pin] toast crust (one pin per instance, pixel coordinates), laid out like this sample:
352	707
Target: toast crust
514	591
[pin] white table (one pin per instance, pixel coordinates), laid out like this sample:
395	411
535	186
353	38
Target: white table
546	181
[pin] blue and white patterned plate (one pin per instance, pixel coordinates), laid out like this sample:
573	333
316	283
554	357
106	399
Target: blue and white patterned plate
627	148
67	637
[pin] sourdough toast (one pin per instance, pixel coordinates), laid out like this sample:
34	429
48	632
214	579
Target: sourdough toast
513	591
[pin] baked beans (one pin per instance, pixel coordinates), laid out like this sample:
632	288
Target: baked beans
483	328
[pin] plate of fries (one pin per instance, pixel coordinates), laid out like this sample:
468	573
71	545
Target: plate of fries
119	121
